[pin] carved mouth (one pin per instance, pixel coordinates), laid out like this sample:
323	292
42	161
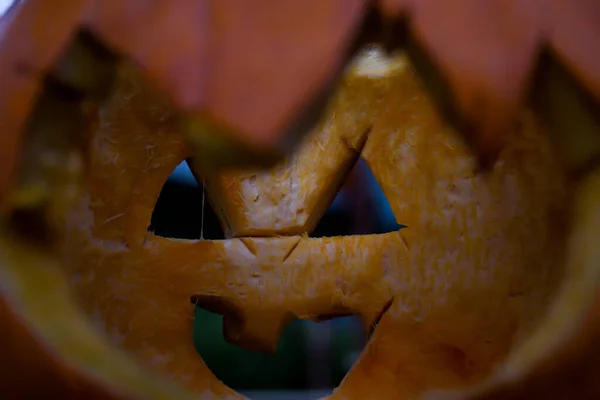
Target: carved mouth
176	216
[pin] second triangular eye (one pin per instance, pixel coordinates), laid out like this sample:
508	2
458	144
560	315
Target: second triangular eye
183	210
360	207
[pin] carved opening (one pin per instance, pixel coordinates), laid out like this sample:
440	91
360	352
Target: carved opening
359	208
309	355
183	211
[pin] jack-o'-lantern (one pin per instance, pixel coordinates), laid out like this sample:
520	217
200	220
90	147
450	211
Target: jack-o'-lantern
463	297
490	292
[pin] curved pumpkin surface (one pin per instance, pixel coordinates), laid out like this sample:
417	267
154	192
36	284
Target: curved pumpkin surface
468	279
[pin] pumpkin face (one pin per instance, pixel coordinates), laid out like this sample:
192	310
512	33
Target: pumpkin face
464	285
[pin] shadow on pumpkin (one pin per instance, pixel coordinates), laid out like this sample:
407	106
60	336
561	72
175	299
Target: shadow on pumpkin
309	354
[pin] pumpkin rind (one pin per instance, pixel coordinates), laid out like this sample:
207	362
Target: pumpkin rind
216	55
467	282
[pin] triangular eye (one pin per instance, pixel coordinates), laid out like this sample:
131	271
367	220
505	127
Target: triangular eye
360	207
183	211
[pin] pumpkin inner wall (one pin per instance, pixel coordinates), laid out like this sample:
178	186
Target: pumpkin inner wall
469	278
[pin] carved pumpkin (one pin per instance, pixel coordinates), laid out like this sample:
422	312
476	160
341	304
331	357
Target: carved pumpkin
462	298
476	291
218	52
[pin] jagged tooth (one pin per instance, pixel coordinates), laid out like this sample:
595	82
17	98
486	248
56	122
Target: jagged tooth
477	71
573	30
256	330
25	54
393	8
570	113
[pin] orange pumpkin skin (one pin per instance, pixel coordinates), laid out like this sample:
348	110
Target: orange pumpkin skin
464	293
58	373
215	54
205	55
29	371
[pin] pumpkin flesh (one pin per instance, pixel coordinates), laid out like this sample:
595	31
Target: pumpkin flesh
469	279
